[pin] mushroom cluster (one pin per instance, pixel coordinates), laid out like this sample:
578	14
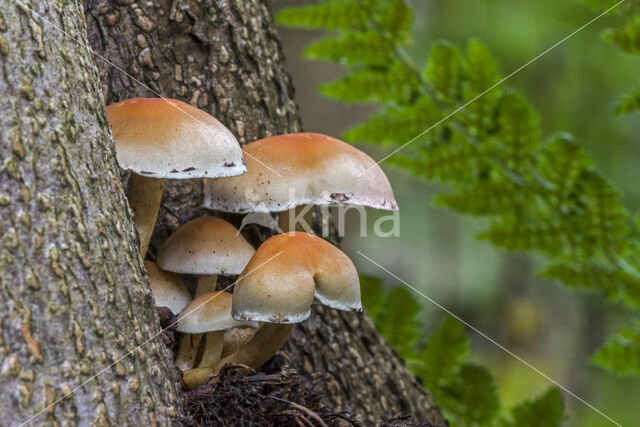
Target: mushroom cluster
158	139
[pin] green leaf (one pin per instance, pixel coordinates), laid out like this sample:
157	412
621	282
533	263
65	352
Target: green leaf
486	199
373	296
443	353
351	48
630	104
626	37
396	18
399	323
443	71
481	74
328	15
547	410
394	84
621	353
398	125
471	397
518	133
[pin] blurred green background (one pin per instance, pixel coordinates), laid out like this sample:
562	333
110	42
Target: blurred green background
574	88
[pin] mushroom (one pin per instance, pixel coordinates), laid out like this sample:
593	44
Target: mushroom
158	138
298	169
167	290
210	313
295	268
206	247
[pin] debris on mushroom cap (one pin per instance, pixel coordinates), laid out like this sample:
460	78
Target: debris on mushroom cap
166	288
209	312
206	245
301	168
294	268
167	138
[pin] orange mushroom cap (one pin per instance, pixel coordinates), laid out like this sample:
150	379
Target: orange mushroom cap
301	168
167	138
206	245
285	275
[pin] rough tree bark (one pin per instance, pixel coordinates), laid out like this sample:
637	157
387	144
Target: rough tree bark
73	293
224	57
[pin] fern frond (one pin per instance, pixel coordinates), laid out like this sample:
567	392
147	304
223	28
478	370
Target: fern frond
398	124
330	15
394	84
487	199
471	398
621	353
626	37
518	133
447	161
373	296
520	236
601	275
481	74
396	18
351	47
546	410
398	322
630	104
443	71
443	353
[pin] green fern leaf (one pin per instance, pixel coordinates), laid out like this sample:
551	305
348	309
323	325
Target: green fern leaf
471	398
394	84
396	18
547	410
630	104
373	296
516	235
481	74
453	160
329	15
398	125
367	47
621	353
443	71
518	134
443	353
627	37
602	275
399	323
487	199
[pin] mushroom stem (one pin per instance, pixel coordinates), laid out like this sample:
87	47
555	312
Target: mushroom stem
144	196
206	283
266	342
286	218
189	347
188	351
235	339
212	348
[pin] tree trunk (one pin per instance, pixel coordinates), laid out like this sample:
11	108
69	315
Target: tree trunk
73	293
223	56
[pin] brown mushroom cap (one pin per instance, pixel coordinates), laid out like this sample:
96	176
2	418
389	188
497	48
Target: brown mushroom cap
167	138
281	288
166	288
204	246
209	312
315	169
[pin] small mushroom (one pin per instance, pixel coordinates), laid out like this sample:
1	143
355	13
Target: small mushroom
167	290
210	313
159	138
294	269
206	247
287	173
